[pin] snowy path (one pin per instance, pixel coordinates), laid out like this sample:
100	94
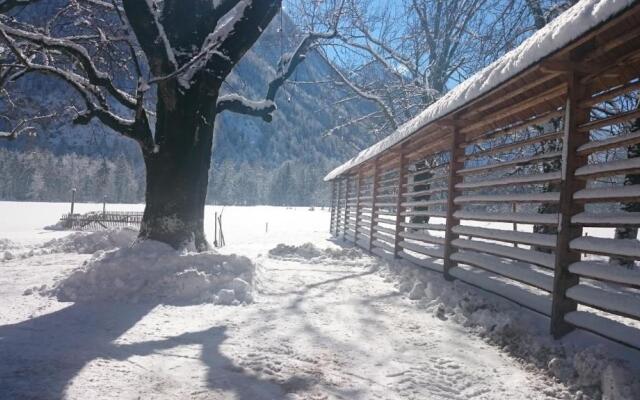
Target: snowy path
331	329
327	330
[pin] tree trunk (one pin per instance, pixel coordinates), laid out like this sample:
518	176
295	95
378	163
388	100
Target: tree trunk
177	173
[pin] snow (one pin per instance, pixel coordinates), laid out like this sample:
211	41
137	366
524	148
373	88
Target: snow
570	25
150	271
626	302
327	321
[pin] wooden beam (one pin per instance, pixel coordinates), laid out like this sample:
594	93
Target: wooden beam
374	196
333	207
402	174
457	151
358	187
571	160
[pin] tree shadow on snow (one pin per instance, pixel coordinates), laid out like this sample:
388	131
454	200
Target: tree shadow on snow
40	357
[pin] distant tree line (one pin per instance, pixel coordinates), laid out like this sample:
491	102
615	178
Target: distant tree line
44	176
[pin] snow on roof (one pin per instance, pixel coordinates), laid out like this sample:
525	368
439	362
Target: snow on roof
570	25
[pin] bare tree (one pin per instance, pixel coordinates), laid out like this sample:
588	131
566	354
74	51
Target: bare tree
402	56
115	55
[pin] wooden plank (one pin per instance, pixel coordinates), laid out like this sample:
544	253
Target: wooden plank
599	123
431	251
543	197
429	227
518	271
399	206
509	163
625	193
530	256
571	161
629	219
451	220
373	202
520	218
428	263
533	239
612	168
606	327
513	145
422	237
513	180
611	143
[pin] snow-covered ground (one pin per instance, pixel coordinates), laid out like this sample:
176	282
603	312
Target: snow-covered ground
327	322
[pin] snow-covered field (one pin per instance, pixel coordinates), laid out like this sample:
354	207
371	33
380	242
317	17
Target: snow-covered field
327	322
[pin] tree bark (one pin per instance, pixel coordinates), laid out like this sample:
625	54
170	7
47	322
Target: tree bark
177	173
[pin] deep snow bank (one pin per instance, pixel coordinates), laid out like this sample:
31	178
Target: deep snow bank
309	251
150	271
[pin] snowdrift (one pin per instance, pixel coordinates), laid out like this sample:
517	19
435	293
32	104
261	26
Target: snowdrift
309	251
150	271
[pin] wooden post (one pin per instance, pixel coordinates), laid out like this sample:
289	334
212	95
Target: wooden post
515	224
333	206
358	185
337	225
457	154
73	203
572	139
402	174
215	229
374	196
104	205
346	208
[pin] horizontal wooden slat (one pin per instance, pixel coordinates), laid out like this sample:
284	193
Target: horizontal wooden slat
611	143
432	251
383	245
521	218
428	263
483	280
385	230
549	197
623	304
439	214
424	203
422	237
509	163
609	194
425	192
605	327
512	145
530	256
534	239
618	167
514	180
600	123
615	92
518	271
607	219
433	227
628	248
607	272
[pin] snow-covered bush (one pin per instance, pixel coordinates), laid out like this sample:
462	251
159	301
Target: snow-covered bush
151	271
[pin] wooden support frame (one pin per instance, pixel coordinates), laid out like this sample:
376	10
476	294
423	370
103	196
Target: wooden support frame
332	227
571	160
338	200
358	188
457	152
374	196
402	176
346	208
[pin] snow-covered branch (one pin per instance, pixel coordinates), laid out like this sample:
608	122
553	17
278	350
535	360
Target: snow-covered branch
242	105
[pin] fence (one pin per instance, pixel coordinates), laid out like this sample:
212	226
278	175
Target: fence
101	220
555	151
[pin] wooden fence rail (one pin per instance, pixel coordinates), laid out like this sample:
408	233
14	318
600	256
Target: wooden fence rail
531	191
